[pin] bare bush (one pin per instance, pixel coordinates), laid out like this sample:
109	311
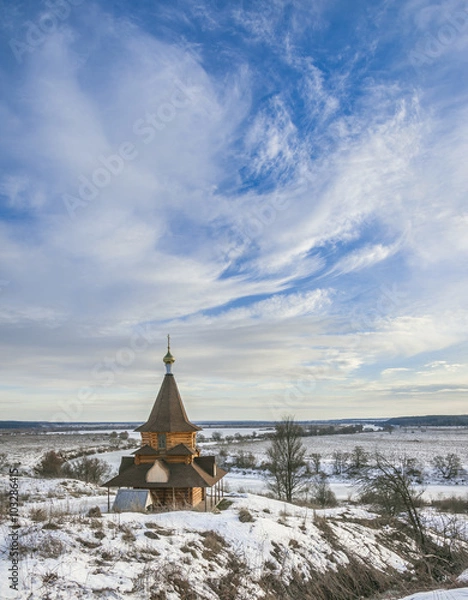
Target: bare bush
95	512
321	493
51	547
38	514
128	535
50	465
244	460
91	470
452	504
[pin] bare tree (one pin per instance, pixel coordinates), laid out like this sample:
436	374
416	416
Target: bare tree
316	459
413	468
358	460
285	459
340	462
449	466
389	486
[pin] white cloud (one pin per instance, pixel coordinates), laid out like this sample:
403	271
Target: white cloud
365	257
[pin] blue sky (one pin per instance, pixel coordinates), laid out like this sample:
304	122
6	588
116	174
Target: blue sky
281	186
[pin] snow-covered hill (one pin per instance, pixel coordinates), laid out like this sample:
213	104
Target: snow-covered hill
253	548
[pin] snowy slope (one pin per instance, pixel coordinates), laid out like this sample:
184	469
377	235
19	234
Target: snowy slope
253	544
134	556
460	594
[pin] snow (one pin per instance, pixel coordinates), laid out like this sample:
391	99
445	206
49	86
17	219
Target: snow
459	594
231	431
276	527
82	557
255	482
463	577
108	557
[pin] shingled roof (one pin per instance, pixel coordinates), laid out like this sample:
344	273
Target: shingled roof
180	475
146	451
168	414
180	450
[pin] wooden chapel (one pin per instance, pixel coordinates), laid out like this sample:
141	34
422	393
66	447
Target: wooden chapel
168	465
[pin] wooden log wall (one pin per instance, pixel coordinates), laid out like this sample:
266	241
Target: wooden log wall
172	439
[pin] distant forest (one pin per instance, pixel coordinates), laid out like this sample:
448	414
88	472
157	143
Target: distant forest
324	427
429	421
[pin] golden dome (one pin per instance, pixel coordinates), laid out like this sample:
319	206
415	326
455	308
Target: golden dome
168	359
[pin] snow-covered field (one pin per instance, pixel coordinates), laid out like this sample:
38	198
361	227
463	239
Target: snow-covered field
422	444
67	554
26	449
254	482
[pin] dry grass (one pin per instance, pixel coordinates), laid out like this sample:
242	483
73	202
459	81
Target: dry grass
38	514
213	544
190	548
50	547
227	587
325	529
245	516
127	535
161	530
348	582
88	543
51	525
